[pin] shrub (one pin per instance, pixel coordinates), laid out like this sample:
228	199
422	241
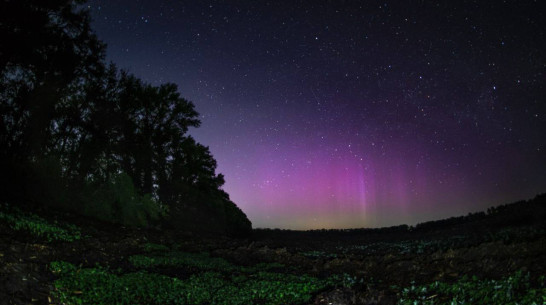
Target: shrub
118	201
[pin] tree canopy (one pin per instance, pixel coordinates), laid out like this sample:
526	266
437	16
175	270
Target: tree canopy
75	129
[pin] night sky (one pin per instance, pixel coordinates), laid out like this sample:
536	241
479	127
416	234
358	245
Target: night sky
343	114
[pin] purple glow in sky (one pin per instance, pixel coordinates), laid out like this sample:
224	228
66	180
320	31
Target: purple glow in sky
351	114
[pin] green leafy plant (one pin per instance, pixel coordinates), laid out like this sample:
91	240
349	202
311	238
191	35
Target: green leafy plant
39	227
515	289
319	254
151	247
201	261
100	286
119	201
194	261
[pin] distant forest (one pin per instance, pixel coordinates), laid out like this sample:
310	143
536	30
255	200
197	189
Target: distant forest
518	213
79	134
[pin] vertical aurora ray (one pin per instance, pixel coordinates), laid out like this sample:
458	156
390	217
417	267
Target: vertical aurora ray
376	115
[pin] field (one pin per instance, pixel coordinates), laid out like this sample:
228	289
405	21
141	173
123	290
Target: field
496	257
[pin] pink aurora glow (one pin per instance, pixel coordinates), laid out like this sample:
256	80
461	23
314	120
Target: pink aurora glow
311	189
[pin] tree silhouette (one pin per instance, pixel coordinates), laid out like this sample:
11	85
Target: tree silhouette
47	46
47	49
73	128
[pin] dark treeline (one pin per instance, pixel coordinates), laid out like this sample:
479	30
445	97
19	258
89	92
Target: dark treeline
79	134
512	214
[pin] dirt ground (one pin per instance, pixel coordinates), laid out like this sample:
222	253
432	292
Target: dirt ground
380	259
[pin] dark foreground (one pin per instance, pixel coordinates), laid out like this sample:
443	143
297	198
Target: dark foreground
498	257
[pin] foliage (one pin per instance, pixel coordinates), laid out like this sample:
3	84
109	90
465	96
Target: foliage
151	247
39	227
208	210
515	289
415	246
196	262
82	135
345	280
315	254
100	286
516	234
118	201
424	246
48	46
201	261
45	183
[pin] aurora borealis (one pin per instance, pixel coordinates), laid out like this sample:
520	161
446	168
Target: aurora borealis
344	114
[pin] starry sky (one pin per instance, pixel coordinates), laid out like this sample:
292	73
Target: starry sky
345	114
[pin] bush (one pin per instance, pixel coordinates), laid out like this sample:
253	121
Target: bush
118	201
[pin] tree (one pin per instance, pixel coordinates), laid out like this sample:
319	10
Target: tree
72	128
47	49
47	46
